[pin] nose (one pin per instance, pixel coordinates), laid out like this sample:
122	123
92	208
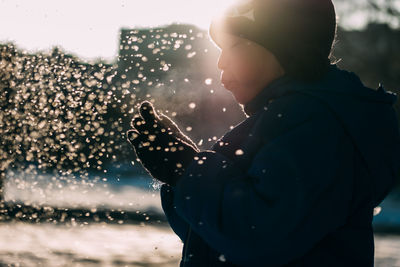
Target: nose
222	61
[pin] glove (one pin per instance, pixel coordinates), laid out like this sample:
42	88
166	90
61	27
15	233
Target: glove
162	148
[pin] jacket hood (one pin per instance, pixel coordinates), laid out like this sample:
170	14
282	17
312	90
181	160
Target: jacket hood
367	115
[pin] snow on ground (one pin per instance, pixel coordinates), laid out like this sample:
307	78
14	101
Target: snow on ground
387	250
23	244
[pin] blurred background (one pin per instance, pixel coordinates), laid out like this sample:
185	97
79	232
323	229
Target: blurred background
72	192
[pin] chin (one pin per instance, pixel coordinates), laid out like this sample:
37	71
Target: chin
241	99
236	94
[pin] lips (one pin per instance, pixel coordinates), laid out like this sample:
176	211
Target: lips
229	85
227	80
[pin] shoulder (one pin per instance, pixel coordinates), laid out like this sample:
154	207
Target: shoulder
290	111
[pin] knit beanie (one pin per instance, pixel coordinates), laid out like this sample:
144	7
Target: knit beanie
299	33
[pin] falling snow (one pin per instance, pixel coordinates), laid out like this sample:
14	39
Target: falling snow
64	158
239	152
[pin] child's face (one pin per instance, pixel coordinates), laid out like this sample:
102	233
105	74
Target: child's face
246	67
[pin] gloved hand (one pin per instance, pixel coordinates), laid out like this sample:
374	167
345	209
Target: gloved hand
162	148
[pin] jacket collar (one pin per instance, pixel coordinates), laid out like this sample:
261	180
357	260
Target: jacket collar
285	83
273	90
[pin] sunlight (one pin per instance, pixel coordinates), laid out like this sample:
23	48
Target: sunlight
90	28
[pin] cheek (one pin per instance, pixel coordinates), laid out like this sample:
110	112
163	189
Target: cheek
246	72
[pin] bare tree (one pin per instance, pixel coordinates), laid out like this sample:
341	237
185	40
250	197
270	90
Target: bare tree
378	11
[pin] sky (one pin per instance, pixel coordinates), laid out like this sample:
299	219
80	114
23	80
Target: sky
90	28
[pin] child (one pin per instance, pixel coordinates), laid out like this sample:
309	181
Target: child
296	183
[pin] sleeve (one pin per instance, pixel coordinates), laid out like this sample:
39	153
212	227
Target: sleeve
295	192
178	225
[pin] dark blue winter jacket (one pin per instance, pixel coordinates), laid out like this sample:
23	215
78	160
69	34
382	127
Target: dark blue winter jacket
300	188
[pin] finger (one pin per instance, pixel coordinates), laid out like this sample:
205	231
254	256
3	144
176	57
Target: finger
171	125
191	144
185	139
139	124
138	141
167	122
148	113
133	137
